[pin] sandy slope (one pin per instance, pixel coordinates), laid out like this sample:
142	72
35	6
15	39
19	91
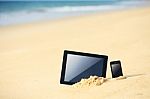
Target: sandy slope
31	55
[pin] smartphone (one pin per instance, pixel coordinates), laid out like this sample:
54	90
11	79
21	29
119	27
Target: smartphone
116	68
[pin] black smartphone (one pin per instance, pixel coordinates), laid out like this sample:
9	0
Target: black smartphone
116	68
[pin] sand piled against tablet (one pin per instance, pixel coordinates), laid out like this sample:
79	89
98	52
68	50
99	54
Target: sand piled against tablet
92	81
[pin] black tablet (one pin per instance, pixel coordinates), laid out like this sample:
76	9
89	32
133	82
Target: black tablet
78	65
116	68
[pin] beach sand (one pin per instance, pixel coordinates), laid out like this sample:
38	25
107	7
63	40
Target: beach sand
31	55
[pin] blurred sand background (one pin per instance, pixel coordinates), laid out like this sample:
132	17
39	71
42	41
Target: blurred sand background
31	55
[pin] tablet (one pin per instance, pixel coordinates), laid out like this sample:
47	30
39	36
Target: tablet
78	65
116	68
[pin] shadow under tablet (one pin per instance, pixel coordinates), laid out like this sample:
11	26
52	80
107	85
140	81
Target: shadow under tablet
78	65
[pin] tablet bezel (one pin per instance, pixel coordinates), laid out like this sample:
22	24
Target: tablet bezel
66	52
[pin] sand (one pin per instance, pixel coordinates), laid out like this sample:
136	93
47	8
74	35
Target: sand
94	81
31	55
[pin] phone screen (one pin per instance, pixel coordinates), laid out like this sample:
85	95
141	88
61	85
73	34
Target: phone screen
116	69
